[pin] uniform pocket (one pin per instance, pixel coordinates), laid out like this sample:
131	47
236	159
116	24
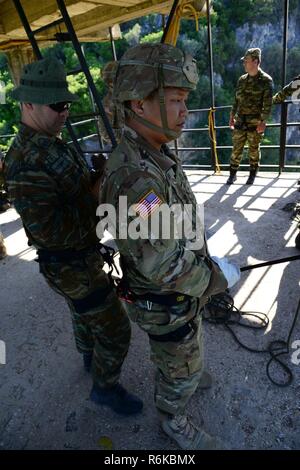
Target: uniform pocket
71	280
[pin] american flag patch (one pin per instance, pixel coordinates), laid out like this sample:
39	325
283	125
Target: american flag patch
148	204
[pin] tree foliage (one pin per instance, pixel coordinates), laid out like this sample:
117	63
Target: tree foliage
228	17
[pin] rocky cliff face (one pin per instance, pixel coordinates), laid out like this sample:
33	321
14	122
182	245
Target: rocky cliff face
263	35
272	31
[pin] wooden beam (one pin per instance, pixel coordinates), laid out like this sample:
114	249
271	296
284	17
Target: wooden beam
17	58
87	25
121	3
34	10
107	16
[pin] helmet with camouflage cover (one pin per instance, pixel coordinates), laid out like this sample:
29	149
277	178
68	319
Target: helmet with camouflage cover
149	67
108	73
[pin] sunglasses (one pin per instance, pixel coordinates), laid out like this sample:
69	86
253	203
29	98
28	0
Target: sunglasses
60	107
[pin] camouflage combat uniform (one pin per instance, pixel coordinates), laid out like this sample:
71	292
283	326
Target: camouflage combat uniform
252	104
162	267
3	206
288	90
2	246
108	76
4	203
49	184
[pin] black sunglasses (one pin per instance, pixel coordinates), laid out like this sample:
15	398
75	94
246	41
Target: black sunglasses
60	107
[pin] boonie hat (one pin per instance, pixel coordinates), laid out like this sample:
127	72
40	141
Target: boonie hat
43	82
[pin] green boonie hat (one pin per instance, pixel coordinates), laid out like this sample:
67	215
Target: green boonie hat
43	82
254	53
147	67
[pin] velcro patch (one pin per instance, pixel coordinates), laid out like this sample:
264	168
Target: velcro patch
148	204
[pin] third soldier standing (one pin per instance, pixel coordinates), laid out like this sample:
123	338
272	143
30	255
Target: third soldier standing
250	110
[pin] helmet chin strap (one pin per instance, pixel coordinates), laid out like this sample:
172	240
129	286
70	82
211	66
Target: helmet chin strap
165	130
172	135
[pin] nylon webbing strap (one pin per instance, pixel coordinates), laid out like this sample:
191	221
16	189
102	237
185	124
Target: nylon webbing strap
43	84
162	103
172	336
133	115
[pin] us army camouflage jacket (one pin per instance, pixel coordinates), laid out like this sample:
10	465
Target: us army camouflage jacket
156	264
49	185
253	96
288	90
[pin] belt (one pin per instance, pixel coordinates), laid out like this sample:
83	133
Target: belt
176	335
168	300
250	116
244	127
60	256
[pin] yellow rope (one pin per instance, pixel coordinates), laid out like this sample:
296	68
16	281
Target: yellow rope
213	138
184	7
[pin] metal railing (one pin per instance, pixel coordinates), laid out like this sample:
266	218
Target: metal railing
282	147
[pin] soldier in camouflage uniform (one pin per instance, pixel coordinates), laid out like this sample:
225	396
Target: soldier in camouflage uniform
4	205
2	246
280	97
4	202
165	282
287	91
250	110
108	76
51	188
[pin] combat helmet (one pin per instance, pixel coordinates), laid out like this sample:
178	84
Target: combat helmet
149	67
108	73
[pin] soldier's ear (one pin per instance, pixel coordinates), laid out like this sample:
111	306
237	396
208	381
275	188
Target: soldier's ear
137	106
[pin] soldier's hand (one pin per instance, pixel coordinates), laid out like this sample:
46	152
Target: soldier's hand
230	270
231	122
261	127
95	189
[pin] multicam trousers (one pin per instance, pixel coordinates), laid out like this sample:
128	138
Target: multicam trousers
101	326
2	246
179	364
239	139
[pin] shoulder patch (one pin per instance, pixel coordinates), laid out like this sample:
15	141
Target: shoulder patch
148	204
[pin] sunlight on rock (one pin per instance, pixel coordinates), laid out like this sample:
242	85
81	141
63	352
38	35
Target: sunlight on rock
276	192
252	216
290	235
242	201
260	286
252	191
262	203
216	241
28	255
16	243
286	181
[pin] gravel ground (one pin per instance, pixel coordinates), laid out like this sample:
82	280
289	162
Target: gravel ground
44	391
